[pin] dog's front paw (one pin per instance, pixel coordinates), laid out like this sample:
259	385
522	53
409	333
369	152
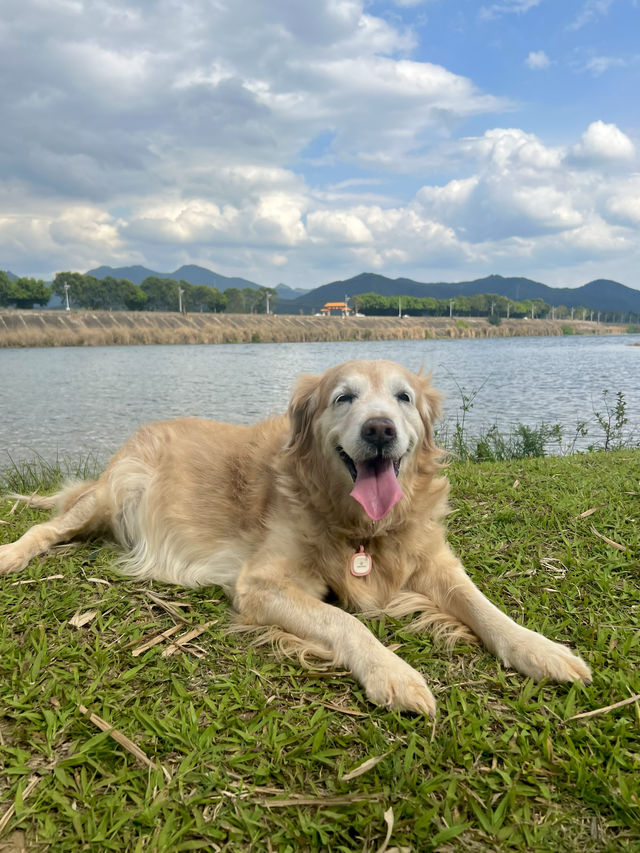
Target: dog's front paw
396	685
538	657
12	559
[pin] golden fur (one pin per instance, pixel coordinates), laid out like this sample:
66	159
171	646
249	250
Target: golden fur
266	513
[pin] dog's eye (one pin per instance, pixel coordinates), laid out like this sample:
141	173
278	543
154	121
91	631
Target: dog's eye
403	397
345	398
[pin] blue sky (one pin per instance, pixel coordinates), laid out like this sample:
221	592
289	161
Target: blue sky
304	142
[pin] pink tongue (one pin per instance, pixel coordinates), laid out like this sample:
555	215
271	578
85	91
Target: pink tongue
376	488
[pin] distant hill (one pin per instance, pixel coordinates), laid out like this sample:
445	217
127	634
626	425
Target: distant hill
10	275
191	273
136	274
286	292
600	295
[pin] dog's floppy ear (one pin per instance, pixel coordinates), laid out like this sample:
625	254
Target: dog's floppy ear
429	405
303	406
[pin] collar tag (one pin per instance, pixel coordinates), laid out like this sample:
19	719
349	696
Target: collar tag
361	563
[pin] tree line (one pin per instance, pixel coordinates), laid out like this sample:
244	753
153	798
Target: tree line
23	292
164	294
479	305
153	294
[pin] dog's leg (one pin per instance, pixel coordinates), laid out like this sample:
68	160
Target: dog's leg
445	581
265	595
80	514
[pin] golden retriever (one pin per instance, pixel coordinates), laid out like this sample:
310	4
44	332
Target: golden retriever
341	498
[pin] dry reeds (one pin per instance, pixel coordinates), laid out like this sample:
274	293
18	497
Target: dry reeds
128	328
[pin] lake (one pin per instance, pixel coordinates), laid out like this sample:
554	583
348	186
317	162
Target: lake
90	399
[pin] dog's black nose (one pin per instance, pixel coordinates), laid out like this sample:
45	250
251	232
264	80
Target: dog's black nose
378	431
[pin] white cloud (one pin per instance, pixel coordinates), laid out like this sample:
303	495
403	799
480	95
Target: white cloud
508	7
590	11
85	233
603	142
597	65
169	133
523	202
537	60
623	203
118	94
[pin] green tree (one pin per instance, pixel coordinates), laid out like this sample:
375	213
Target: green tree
7	289
541	308
204	298
501	303
250	299
465	305
78	295
161	293
132	297
117	294
428	305
373	304
29	292
235	300
260	302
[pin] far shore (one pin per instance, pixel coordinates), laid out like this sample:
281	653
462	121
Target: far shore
104	328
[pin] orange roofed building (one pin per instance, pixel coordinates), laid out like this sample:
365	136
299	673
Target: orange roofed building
336	307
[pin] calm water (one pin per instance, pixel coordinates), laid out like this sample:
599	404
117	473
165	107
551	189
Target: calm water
81	400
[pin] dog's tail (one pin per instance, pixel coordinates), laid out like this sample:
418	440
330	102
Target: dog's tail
59	501
310	654
37	501
444	626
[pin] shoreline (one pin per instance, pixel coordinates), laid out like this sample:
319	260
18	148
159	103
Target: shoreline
54	328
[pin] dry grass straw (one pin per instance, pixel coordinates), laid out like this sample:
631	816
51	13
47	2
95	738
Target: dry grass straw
120	738
128	328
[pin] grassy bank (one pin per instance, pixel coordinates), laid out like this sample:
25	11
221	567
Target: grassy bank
102	328
249	753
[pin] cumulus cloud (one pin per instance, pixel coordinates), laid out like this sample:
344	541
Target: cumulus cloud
180	133
602	143
118	91
537	60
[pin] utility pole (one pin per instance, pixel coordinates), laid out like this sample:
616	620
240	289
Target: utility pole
180	292
267	295
399	306
66	296
451	307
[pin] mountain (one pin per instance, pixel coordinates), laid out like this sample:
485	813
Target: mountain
136	274
191	273
600	295
200	275
286	292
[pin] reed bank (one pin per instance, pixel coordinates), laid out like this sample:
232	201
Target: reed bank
52	328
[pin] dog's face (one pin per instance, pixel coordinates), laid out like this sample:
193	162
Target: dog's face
367	420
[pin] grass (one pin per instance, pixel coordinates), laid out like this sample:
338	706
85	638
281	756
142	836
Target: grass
608	429
251	753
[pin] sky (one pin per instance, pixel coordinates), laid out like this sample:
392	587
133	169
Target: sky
304	142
